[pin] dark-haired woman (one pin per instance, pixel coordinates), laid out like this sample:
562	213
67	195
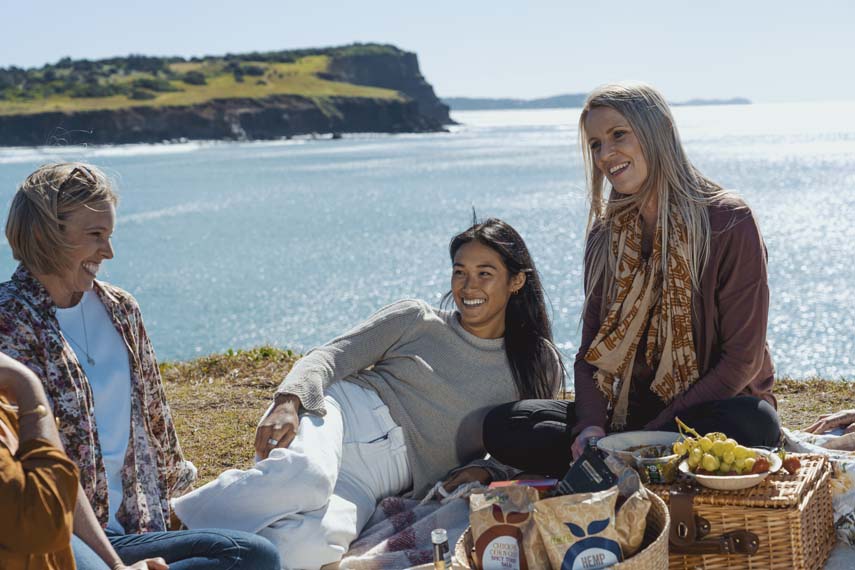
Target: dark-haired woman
392	406
676	298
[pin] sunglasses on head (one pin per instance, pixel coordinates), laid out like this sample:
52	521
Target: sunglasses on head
77	173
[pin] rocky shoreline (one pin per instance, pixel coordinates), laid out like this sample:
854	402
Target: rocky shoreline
220	119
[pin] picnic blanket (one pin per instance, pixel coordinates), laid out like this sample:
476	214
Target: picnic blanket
398	533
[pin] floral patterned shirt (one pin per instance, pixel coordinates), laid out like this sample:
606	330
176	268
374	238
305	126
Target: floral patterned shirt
154	469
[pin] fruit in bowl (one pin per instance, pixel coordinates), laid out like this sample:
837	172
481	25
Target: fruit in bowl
769	463
719	462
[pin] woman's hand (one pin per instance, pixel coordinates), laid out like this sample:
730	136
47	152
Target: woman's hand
279	427
467	476
828	422
147	564
582	439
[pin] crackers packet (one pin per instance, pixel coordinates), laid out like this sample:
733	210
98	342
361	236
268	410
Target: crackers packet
504	531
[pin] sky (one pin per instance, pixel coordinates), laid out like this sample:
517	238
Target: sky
768	51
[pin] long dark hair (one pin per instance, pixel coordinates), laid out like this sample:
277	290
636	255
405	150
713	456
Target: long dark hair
528	332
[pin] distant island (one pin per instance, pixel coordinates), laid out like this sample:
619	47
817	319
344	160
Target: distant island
571	100
138	98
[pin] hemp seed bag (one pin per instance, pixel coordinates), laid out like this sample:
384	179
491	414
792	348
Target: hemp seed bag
578	531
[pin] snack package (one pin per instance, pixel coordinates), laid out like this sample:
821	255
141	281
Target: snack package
578	531
503	529
631	522
593	527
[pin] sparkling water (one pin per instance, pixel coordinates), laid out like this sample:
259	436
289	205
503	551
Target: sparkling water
234	245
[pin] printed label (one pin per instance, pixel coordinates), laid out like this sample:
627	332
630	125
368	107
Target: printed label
501	553
591	554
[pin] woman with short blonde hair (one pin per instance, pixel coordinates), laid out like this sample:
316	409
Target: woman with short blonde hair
676	297
86	341
41	206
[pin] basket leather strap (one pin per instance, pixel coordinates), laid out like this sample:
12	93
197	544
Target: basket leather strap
688	529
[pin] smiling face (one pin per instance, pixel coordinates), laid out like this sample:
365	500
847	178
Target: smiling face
615	149
88	231
481	286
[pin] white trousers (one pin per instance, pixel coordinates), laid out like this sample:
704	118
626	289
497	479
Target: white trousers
312	499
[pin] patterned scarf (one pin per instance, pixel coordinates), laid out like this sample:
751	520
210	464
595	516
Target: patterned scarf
642	297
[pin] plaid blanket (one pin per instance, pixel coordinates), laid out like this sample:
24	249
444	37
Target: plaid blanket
398	534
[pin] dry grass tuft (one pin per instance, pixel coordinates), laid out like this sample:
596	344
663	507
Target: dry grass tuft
217	401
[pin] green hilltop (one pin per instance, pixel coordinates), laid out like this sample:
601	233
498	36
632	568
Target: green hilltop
144	81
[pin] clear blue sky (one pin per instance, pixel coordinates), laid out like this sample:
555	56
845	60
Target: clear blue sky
787	50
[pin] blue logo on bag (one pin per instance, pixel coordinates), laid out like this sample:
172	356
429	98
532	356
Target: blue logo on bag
591	552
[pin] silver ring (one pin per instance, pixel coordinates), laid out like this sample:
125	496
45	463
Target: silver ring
272	441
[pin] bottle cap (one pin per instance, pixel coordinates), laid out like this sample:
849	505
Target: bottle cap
438	536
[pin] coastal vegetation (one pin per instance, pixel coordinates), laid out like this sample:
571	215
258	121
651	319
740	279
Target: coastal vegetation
217	401
251	96
116	83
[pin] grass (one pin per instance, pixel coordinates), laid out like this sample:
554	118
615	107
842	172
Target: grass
297	78
217	401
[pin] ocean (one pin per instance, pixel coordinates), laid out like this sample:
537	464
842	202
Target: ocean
289	243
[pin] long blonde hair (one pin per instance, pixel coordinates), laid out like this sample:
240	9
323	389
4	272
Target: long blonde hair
682	190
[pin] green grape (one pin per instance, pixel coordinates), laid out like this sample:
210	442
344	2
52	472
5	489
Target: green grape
709	462
741	452
692	462
716	436
725	467
739	464
728	457
718	448
706	443
679	448
696	454
729	445
749	463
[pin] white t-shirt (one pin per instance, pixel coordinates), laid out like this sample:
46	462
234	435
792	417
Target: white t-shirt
110	380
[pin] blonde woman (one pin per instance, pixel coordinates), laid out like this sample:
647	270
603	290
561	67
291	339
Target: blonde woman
86	341
676	298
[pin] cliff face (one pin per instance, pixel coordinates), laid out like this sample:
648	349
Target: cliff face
236	96
223	119
398	71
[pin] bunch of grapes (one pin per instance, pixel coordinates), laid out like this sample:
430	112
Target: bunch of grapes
717	454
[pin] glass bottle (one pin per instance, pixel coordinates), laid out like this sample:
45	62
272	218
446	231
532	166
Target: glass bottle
441	552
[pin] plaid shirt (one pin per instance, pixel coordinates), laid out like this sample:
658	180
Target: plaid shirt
154	469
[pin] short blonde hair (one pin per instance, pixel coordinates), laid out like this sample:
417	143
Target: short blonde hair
35	226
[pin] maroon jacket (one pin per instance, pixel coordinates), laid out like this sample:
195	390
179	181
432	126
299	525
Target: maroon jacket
730	313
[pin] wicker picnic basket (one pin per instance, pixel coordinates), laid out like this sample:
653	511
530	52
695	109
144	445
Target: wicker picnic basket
652	556
789	518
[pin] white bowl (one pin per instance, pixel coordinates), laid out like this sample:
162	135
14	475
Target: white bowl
622	445
734	482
